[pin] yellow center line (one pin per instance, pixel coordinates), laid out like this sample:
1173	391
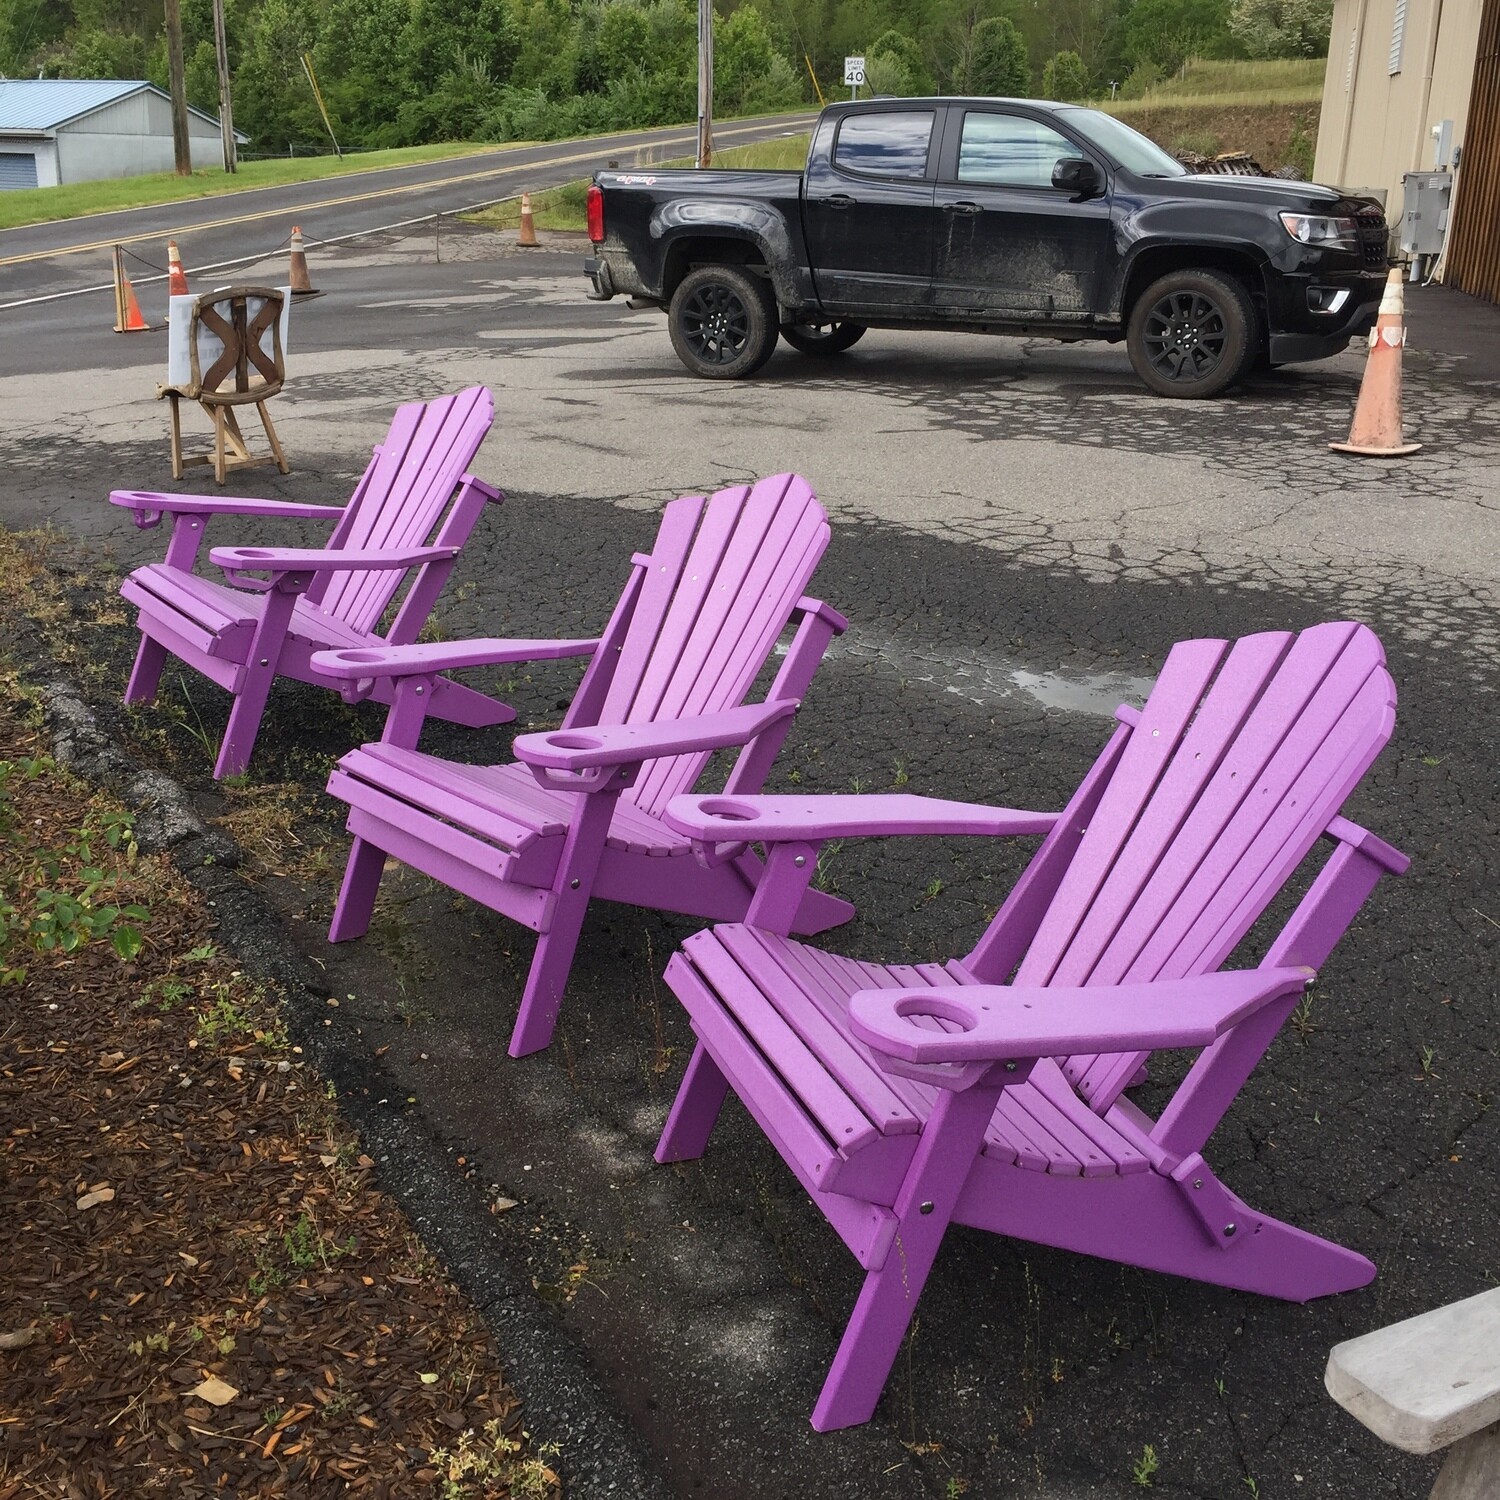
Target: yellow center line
302	208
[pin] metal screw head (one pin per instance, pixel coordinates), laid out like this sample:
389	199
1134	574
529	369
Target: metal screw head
925	1208
1229	1231
264	662
1197	1182
572	885
1010	1067
419	692
800	860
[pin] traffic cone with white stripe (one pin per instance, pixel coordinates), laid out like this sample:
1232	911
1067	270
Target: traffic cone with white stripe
1376	430
527	237
128	317
176	277
297	277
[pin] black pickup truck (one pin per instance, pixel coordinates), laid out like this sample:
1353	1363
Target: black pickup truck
1010	216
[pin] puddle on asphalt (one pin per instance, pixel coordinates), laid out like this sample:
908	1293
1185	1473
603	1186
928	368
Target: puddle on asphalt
983	678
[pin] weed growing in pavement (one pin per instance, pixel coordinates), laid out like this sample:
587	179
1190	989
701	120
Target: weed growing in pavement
1429	1055
1302	1017
823	879
1142	1470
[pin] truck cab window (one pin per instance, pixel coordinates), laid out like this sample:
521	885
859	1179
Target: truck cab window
888	144
1010	151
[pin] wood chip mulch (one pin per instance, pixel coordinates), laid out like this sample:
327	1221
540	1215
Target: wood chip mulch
201	1291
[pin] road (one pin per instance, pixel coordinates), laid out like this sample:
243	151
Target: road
70	255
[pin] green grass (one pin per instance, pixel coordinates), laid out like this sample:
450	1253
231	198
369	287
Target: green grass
42	205
563	208
1281	81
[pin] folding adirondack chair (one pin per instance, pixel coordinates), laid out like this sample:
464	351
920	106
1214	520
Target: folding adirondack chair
411	513
988	1090
578	813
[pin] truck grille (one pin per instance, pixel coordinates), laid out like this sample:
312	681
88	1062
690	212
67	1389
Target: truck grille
1373	236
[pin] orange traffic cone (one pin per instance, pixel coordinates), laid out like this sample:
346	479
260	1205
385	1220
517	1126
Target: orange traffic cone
297	276
176	277
1376	430
527	237
128	317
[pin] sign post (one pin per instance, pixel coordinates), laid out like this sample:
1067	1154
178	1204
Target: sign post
854	74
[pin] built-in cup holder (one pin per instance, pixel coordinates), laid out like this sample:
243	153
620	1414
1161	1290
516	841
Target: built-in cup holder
243	552
359	656
570	741
728	809
934	1006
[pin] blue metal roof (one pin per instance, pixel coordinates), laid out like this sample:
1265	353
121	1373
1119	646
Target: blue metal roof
37	104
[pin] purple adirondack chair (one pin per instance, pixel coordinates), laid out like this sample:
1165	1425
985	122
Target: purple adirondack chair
988	1090
411	513
578	813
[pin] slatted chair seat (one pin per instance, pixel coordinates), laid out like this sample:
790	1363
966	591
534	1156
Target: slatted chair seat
578	814
790	1002
412	511
989	1090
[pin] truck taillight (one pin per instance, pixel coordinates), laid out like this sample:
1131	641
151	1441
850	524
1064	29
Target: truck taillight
596	213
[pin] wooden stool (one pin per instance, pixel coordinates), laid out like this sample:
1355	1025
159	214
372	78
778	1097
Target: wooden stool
1432	1382
230	330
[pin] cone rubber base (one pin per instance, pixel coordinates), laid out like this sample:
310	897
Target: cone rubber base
1399	451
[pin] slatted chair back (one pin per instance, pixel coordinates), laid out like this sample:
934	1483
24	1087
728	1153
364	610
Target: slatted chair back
234	345
723	580
1241	759
400	503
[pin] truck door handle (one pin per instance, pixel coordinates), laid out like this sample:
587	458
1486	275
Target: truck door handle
962	208
840	200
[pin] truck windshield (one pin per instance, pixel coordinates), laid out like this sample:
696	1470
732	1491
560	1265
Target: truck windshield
1129	148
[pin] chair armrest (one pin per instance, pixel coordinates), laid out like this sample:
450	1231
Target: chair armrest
774	819
365	663
1004	1023
239	560
149	507
626	744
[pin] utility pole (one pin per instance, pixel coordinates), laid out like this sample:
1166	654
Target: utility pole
705	82
182	152
226	107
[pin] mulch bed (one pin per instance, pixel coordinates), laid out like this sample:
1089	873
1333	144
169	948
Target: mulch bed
203	1293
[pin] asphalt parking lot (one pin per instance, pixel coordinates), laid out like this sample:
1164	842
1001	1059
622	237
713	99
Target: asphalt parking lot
1020	533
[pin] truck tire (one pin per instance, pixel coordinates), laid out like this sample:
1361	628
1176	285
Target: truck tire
723	322
1192	334
821	339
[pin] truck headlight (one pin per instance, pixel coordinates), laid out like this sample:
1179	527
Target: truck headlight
1312	229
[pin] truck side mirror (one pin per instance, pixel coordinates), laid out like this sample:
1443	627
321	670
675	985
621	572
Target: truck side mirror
1077	175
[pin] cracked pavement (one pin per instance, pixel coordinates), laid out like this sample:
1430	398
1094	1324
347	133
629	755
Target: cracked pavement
1020	532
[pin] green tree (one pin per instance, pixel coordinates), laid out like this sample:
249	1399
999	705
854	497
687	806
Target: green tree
994	61
905	51
1282	28
1168	32
1066	77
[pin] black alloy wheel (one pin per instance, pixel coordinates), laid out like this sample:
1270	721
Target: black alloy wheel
722	321
1192	334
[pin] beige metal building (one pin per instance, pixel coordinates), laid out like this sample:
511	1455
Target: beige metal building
1398	71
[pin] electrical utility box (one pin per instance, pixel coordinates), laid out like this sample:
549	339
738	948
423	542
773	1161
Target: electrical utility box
1424	224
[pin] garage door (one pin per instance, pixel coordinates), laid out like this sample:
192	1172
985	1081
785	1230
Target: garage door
17	169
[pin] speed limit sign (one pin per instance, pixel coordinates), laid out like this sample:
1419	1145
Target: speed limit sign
854	71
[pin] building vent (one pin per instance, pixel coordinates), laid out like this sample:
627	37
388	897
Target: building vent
1398	37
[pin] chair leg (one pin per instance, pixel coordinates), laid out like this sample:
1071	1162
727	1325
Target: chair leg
244	723
220	464
176	429
145	676
356	903
694	1111
271	438
888	1298
572	886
